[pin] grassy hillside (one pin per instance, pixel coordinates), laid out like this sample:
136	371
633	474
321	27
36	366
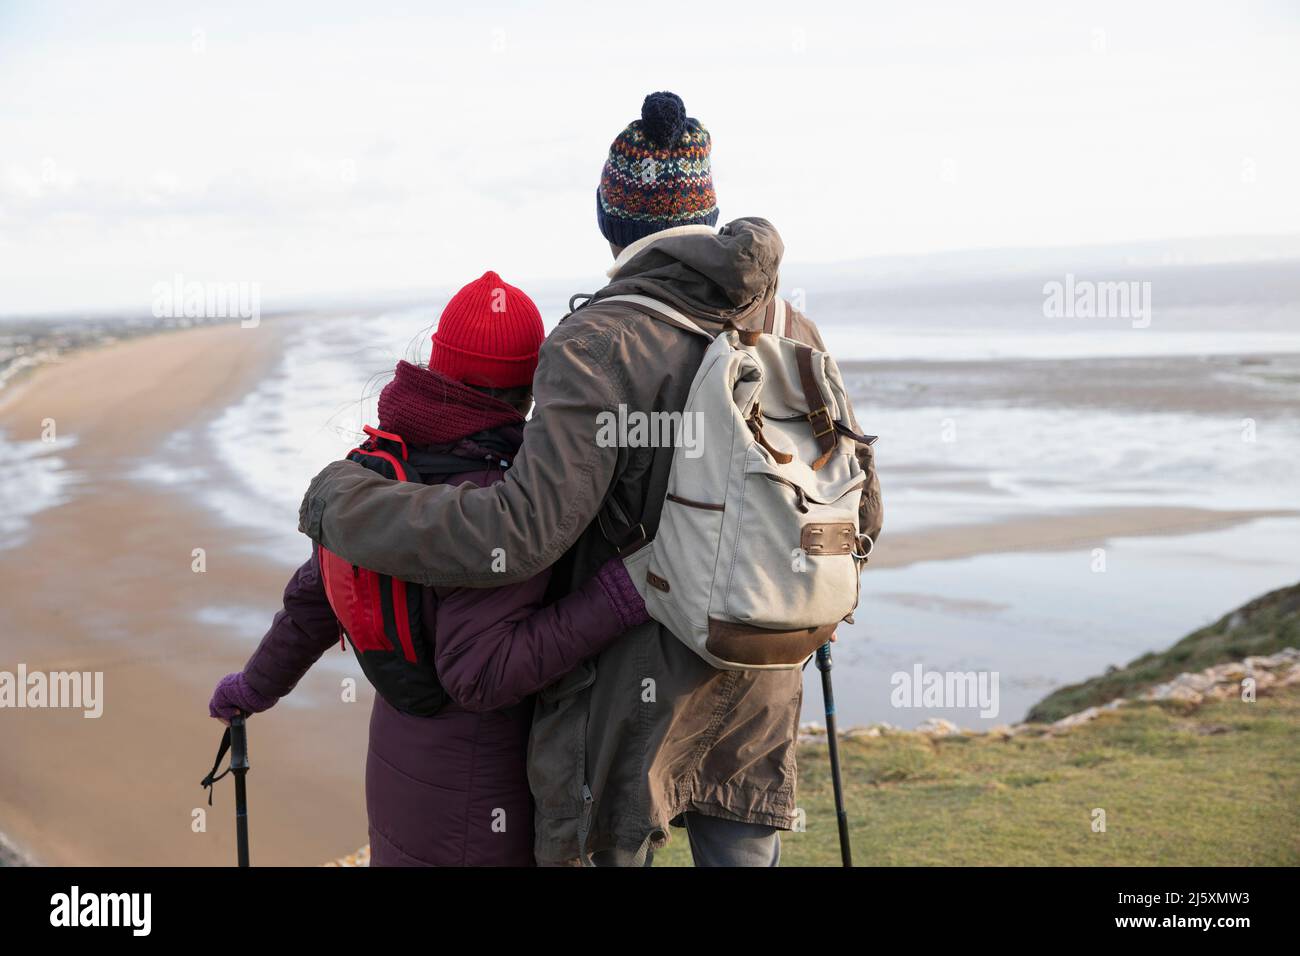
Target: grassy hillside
1265	625
1181	784
1212	786
1213	783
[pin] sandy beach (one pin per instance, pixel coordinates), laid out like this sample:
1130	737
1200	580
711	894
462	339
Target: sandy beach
1065	532
104	583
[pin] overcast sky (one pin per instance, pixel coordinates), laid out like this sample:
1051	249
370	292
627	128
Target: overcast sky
319	150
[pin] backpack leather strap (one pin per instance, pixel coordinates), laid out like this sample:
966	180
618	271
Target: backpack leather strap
819	415
774	317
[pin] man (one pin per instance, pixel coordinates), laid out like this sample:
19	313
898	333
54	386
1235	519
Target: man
647	733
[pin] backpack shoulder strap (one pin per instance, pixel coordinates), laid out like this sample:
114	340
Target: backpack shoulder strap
774	317
632	537
377	445
662	311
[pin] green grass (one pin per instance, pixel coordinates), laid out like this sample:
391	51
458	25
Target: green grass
1214	785
1264	626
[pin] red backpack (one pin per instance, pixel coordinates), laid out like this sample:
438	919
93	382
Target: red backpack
380	615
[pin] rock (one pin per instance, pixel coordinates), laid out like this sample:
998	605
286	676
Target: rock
1220	682
937	727
1185	694
813	732
861	732
360	858
1084	716
1228	672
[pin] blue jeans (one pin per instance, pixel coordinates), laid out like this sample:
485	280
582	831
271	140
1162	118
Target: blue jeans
714	842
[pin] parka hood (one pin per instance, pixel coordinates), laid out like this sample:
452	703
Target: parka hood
713	276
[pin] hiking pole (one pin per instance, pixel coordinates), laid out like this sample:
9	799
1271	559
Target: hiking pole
234	741
239	766
828	695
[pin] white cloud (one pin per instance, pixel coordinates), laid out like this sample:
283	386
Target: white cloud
319	151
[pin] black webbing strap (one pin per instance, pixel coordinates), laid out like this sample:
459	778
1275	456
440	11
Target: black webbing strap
848	432
210	780
631	539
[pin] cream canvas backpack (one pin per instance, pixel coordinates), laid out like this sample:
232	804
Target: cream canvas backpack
758	549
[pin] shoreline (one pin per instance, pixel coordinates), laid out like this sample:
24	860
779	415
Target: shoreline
10	855
1072	531
108	585
51	342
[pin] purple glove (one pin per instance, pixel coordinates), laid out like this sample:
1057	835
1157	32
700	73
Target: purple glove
234	696
622	593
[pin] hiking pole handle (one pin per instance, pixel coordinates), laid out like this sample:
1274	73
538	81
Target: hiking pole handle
239	767
824	664
238	743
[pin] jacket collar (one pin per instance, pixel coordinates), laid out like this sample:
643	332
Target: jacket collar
629	252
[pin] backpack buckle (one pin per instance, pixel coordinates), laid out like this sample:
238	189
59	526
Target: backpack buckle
633	541
375	433
629	541
819	431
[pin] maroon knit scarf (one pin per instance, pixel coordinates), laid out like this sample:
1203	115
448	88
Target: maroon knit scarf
427	408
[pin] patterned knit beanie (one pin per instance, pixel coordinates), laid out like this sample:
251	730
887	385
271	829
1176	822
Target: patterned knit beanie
657	175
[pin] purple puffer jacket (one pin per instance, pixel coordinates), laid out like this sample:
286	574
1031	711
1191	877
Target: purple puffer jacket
452	789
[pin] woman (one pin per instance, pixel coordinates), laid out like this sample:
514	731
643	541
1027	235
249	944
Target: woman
451	789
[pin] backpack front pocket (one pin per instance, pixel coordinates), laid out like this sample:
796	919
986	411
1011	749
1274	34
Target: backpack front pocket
680	571
792	563
354	596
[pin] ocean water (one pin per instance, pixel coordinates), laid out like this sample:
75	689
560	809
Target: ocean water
961	439
945	465
1223	309
1041	620
33	477
961	343
988	454
259	454
1085	418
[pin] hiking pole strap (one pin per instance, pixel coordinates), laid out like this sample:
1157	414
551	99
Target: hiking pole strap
233	737
208	782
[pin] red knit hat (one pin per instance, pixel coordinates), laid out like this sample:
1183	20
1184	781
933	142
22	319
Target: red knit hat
489	335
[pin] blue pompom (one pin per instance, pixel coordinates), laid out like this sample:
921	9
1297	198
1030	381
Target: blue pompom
663	118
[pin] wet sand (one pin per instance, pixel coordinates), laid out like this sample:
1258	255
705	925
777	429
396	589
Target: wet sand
104	583
1064	532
